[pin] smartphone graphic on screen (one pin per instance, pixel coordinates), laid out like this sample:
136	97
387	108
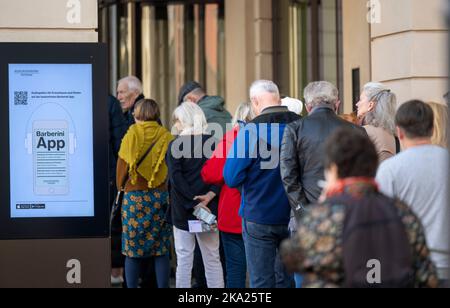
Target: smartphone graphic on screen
51	157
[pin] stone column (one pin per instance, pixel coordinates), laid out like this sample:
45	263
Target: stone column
263	31
409	48
249	47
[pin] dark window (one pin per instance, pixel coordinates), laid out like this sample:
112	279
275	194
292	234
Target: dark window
356	87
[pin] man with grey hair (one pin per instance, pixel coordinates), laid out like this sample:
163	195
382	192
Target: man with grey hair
129	92
265	208
321	93
302	150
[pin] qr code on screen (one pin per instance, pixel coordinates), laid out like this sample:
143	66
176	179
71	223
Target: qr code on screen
20	98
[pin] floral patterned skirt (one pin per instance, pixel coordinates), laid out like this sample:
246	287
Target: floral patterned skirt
145	233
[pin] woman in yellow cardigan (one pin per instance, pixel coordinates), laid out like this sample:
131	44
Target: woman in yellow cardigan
145	233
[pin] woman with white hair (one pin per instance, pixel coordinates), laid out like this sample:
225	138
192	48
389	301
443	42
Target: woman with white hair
185	159
294	105
376	111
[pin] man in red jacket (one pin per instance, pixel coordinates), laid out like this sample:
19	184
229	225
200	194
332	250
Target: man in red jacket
229	222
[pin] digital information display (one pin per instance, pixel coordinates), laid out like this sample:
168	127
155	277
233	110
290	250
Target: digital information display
51	140
54	150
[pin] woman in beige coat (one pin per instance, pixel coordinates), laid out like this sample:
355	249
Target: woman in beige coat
376	112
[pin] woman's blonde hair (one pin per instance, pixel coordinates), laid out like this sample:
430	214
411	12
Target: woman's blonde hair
440	132
191	118
146	110
243	113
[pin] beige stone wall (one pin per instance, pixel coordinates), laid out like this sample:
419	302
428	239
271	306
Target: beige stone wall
249	47
409	48
263	51
48	21
236	46
356	47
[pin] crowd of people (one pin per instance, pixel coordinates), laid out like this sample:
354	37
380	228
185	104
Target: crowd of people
303	197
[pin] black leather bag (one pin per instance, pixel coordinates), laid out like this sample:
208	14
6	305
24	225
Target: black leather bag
117	206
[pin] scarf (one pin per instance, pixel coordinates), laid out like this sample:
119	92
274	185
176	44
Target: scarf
136	143
357	186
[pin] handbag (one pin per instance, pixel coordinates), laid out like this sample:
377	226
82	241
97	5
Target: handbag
117	206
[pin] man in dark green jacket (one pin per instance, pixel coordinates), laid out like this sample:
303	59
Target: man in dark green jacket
212	106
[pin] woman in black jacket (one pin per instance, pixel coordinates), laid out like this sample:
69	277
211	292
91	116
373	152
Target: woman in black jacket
186	156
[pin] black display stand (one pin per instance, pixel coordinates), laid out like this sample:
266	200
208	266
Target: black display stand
66	251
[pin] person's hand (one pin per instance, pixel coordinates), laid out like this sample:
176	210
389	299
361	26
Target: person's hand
206	199
325	187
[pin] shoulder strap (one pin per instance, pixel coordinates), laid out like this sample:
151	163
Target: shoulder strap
145	155
139	163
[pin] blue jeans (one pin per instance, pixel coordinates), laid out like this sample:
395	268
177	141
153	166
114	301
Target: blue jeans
133	269
236	263
298	281
264	265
